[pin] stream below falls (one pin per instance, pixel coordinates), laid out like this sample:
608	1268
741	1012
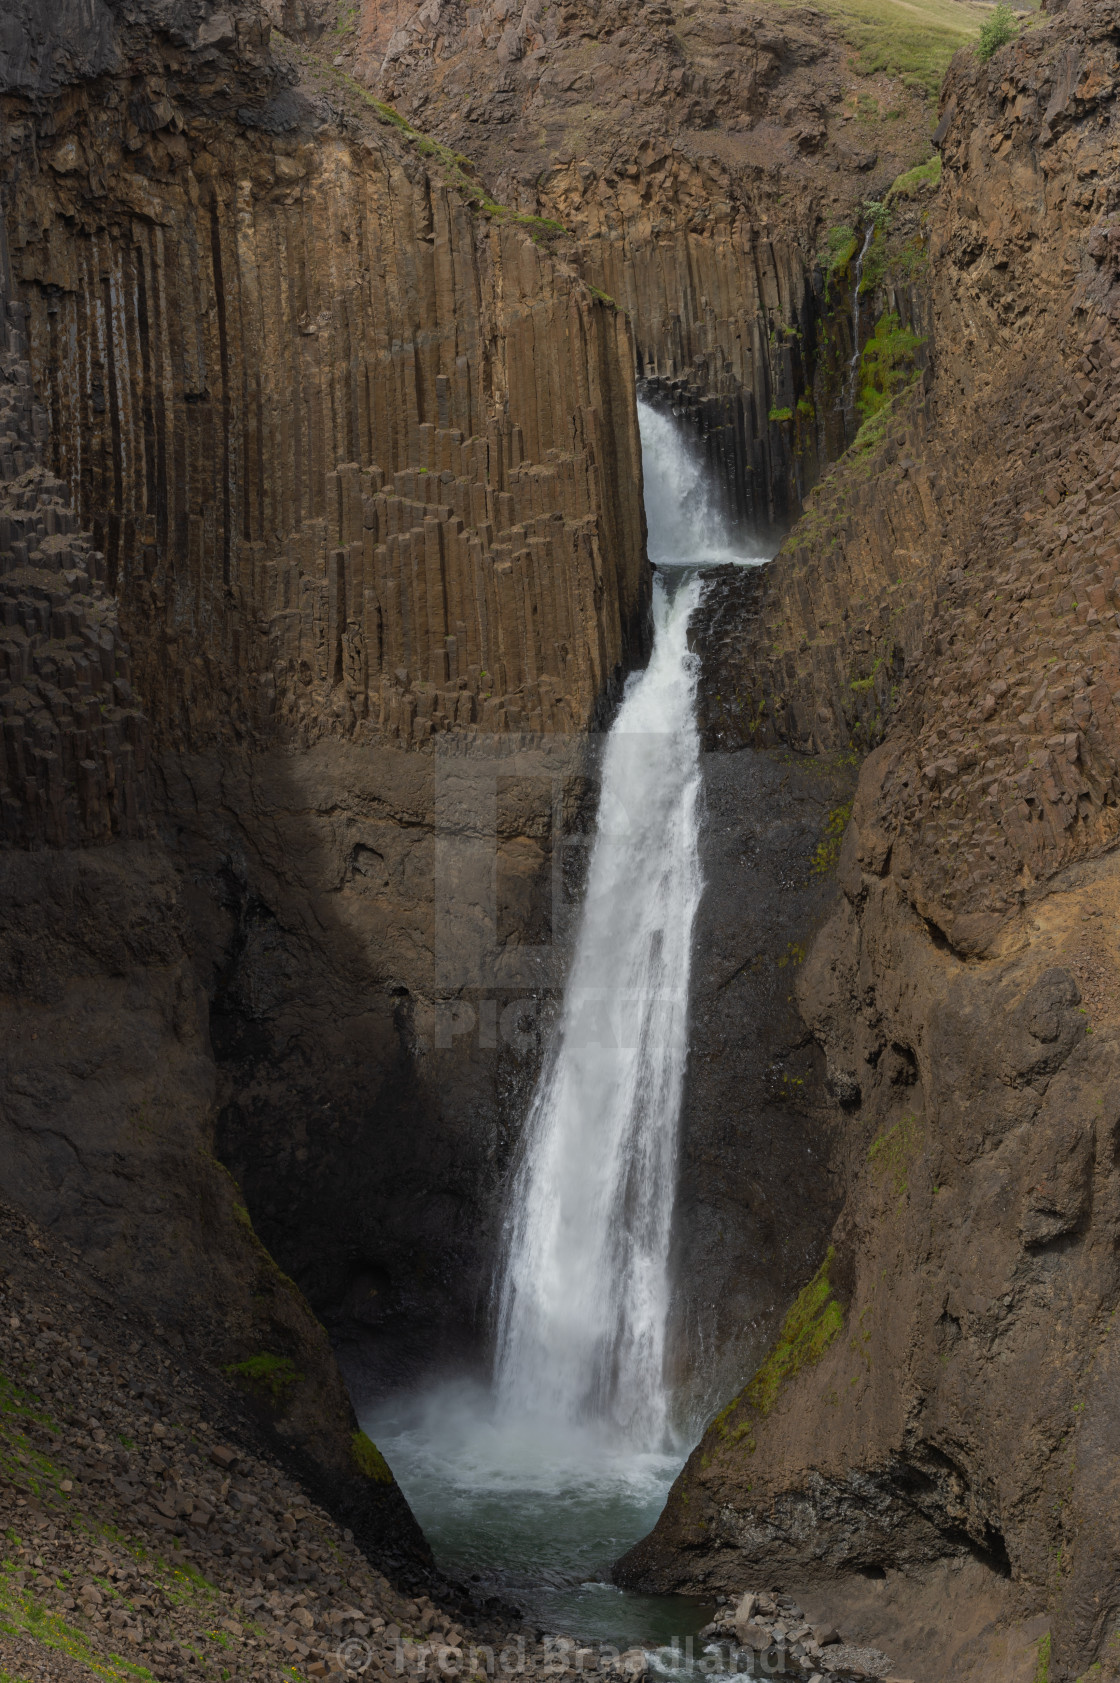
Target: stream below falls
530	1488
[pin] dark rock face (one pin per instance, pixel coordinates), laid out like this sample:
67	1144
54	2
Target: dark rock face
374	1060
109	1088
757	1194
943	1390
355	483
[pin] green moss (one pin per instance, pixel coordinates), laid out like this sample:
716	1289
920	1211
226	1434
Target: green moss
806	408
369	1460
890	1154
827	852
777	414
840	247
1042	1669
807	1331
914	181
274	1374
887	364
996	32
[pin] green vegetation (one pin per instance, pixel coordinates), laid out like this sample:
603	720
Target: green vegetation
807	1331
912	181
864	686
872	432
874	263
996	32
369	1459
805	408
459	169
20	1612
274	1374
827	853
840	247
777	414
887	364
904	40
889	1155
1042	1669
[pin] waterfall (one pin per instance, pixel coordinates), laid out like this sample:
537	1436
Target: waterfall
585	1293
686	527
533	1485
853	366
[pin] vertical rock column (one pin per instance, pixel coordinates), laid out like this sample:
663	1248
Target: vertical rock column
359	462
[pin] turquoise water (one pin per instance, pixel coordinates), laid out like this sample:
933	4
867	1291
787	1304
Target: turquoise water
533	1512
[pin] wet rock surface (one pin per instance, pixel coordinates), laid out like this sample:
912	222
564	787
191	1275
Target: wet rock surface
756	1177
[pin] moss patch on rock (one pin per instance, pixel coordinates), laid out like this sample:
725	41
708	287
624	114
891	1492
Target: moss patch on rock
813	1322
369	1460
274	1374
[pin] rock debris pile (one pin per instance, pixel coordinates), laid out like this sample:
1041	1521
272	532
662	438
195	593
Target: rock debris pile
782	1640
145	1525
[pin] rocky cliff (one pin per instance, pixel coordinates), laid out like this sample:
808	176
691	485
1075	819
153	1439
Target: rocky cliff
697	156
930	1433
312	453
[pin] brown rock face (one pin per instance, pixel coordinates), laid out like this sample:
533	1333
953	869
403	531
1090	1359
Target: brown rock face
696	155
362	471
354	465
954	582
943	1388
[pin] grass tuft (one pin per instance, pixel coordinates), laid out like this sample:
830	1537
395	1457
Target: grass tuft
916	180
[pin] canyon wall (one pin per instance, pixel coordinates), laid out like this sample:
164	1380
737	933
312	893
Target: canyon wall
309	465
930	1435
696	156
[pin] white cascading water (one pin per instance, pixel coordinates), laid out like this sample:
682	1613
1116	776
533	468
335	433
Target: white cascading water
534	1485
585	1291
853	365
686	528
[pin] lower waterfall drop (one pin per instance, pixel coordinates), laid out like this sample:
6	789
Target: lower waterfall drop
585	1293
534	1485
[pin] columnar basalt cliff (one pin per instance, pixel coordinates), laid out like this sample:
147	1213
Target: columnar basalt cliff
350	466
942	1394
347	450
697	158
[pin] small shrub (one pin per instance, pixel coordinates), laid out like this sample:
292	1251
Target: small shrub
996	32
827	855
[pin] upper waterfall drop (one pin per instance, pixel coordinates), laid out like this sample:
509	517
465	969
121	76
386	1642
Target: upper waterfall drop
686	527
